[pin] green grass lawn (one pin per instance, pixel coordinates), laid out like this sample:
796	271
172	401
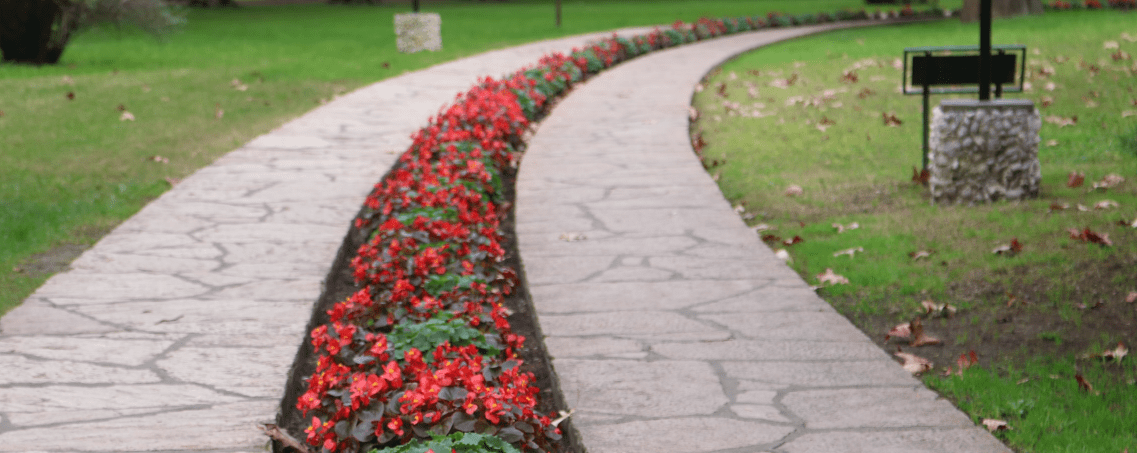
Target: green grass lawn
70	169
1028	316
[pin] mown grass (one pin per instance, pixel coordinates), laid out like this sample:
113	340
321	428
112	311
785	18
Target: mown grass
1057	299
70	170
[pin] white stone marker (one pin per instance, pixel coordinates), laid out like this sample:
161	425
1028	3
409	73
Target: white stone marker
416	32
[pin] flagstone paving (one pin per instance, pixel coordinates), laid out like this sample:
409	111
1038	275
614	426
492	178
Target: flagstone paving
673	328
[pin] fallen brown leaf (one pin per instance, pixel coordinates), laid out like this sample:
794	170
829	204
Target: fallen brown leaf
1056	206
832	278
1075	179
913	363
1083	383
1106	204
922	176
850	252
919	338
900	331
920	254
1108	181
159	159
793	240
126	116
850	77
1131	298
993	425
891	120
1061	121
794	190
966	361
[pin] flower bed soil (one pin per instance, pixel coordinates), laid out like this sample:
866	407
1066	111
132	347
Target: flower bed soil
340	284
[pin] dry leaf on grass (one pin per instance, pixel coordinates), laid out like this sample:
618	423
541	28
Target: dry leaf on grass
919	338
1106	204
913	363
841	228
1075	179
782	254
891	120
1108	181
159	159
1083	383
966	361
899	331
1110	355
126	116
1087	235
794	190
1052	143
849	252
920	254
932	308
1056	206
921	177
1062	121
1050	86
1131	298
1109	45
995	425
1011	249
831	278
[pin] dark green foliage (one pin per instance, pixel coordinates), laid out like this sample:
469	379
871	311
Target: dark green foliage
427	336
456	442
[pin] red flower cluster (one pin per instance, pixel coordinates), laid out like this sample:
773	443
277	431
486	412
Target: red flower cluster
435	256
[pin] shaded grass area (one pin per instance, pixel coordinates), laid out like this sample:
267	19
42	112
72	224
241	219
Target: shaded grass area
1058	299
71	169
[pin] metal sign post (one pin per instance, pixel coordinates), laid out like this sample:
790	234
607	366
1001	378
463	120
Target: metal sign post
985	50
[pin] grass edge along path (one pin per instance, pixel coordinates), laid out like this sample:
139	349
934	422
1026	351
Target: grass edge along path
813	159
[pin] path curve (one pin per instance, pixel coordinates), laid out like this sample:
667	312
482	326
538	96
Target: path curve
175	332
673	328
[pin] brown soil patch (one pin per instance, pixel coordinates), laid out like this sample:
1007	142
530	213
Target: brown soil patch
1072	316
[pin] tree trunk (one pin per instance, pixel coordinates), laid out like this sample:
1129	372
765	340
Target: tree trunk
1000	8
32	31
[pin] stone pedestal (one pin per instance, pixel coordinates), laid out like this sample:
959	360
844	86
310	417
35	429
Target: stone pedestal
416	32
982	151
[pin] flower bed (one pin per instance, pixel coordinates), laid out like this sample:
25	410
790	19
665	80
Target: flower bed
423	347
1061	5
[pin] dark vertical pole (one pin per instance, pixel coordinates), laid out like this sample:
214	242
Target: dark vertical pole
927	93
415	2
558	13
985	50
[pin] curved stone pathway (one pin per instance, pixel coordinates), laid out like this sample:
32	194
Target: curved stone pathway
176	331
673	328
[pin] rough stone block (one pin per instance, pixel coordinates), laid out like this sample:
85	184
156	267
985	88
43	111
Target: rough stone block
416	32
983	151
